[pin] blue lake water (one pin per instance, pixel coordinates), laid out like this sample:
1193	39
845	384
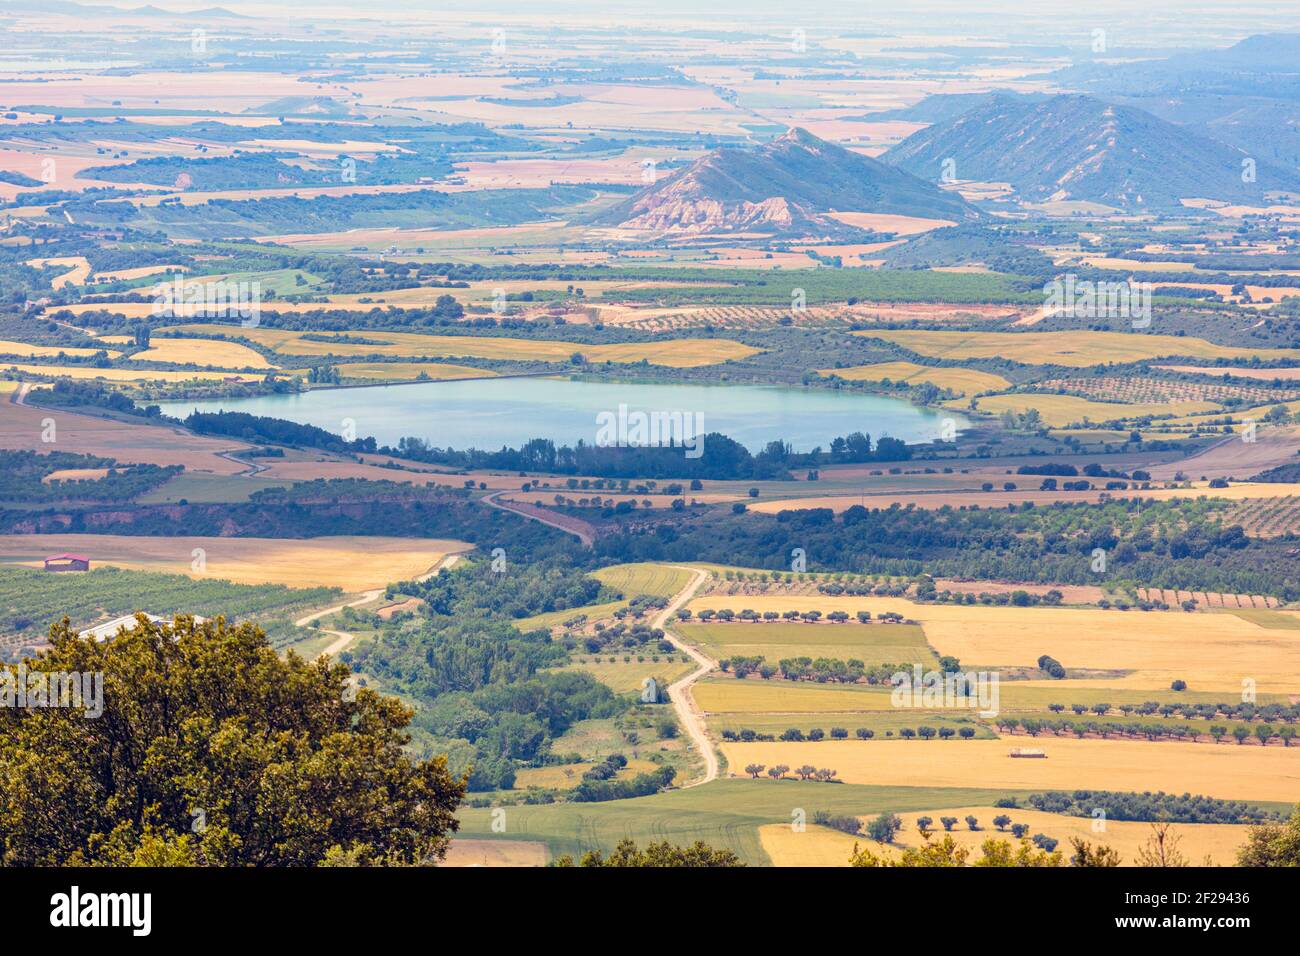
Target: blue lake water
490	413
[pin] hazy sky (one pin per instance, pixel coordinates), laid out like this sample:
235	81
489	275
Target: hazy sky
934	16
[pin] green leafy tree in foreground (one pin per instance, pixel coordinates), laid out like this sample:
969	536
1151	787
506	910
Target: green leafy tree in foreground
211	750
1273	844
664	854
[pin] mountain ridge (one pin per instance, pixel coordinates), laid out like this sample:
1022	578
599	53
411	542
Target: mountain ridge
791	184
1077	147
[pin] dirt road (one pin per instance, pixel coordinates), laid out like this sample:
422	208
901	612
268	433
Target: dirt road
574	526
343	638
680	692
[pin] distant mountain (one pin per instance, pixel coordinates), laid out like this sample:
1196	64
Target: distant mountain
1244	95
322	106
941	107
1073	147
787	186
1263	65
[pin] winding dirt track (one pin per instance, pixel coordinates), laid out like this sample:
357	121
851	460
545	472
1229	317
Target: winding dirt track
343	638
680	692
574	526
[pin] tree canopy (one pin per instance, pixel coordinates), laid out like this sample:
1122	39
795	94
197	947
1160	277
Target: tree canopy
211	750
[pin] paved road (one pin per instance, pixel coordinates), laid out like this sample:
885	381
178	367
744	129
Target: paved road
680	692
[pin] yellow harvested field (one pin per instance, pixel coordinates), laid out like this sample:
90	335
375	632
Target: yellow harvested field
353	563
1226	771
402	371
626	678
815	846
674	353
124	275
823	846
22	427
75	474
730	696
466	852
1061	410
964	381
129	310
9	347
1212	652
129	374
207	353
718	696
79	266
1075	349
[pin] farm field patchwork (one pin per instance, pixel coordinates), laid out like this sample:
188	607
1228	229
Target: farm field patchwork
349	563
1061	410
1225	771
131	375
674	353
1076	349
823	846
26	350
734	700
629	677
873	644
655	580
410	371
1144	649
725	813
205	353
963	381
532	218
21	426
30	599
1027	491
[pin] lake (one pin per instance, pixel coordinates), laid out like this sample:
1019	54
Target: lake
490	413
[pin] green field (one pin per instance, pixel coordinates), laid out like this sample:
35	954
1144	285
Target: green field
109	592
873	644
880	722
631	580
656	580
727	695
203	488
1273	620
624	678
725	813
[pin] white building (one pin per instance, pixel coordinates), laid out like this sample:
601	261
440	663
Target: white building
127	622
